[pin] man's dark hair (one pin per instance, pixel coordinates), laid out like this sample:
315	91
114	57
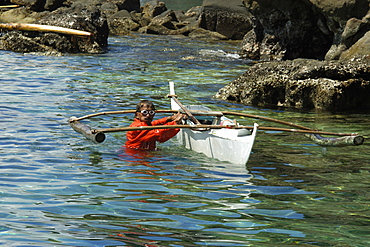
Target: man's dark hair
143	103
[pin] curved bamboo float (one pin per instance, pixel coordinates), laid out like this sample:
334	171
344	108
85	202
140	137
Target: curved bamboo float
95	136
354	140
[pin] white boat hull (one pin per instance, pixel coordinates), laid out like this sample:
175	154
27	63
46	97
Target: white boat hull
231	145
221	144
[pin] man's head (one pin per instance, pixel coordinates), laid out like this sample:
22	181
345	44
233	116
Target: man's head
145	111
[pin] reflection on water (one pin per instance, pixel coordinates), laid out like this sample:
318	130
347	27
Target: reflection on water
58	189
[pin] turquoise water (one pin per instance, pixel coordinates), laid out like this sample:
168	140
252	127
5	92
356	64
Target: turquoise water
59	189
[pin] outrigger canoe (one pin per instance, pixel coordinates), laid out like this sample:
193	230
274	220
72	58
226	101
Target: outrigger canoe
215	135
225	144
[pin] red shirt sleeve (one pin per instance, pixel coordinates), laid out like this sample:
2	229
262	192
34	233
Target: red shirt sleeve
165	134
146	139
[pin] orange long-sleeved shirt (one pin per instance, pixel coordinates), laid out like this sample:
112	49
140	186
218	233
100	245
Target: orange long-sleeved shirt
146	139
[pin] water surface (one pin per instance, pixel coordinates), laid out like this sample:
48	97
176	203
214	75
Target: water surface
59	189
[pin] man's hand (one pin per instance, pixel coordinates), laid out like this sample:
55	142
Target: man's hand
178	117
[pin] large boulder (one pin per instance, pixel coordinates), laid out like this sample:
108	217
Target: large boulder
229	18
39	5
21	15
79	16
303	83
163	23
318	29
338	15
361	49
153	8
286	29
353	32
122	23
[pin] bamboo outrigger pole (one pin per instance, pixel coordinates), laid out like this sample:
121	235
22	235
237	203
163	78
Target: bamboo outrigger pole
97	135
345	139
205	126
195	113
266	119
351	139
43	28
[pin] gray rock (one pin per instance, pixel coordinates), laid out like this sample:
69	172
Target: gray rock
286	29
79	17
201	33
153	8
122	23
26	42
303	83
21	15
317	29
359	50
229	18
353	31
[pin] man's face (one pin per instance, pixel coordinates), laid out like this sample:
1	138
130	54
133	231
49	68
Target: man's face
144	114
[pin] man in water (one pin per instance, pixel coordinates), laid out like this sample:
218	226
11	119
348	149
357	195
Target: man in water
146	139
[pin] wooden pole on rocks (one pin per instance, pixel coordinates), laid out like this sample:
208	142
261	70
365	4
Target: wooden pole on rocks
43	28
9	6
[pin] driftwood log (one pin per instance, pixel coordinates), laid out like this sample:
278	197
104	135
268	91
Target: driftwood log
9	6
43	28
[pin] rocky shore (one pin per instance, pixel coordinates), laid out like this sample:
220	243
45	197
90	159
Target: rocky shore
309	53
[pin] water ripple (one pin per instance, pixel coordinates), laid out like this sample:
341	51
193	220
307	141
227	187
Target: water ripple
59	189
